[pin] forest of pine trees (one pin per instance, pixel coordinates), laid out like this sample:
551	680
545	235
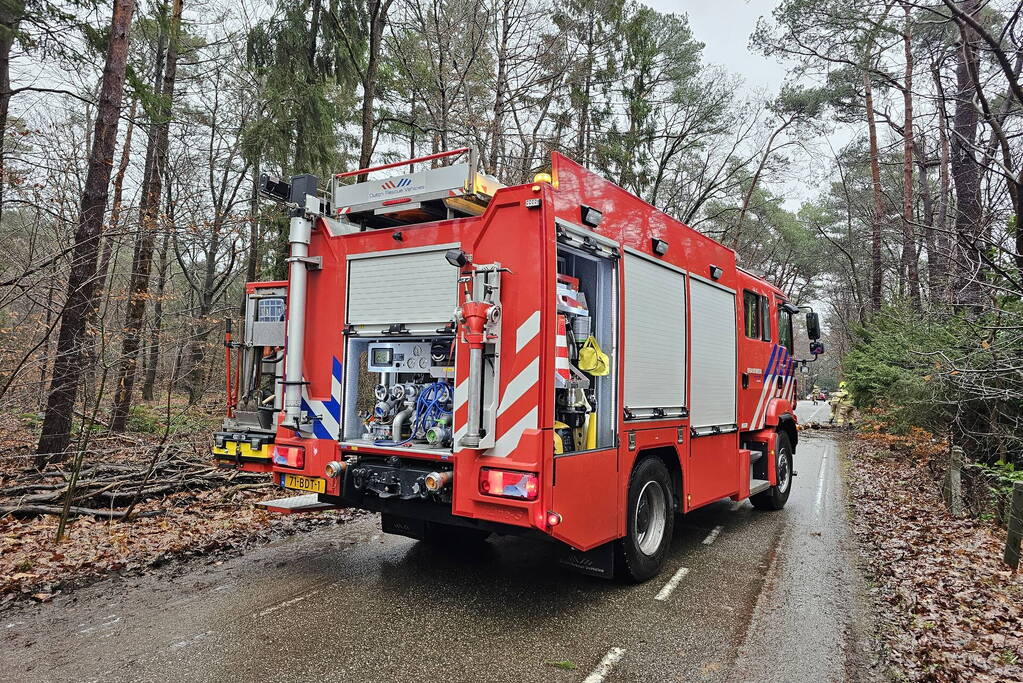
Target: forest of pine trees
882	182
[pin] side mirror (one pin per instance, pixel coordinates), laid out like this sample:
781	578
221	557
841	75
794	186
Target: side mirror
816	348
813	326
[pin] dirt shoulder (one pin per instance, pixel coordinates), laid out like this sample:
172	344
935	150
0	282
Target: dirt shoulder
950	608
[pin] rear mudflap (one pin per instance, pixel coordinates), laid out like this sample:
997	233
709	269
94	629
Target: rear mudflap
599	561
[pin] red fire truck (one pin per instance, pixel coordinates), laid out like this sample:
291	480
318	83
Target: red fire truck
557	359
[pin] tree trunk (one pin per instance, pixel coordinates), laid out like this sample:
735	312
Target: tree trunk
499	89
143	261
56	431
252	260
966	173
153	359
377	21
938	269
756	179
875	175
11	14
910	264
115	208
927	200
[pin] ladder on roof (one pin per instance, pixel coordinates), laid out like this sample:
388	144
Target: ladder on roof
458	189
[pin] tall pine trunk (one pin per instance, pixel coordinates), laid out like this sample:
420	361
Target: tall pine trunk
910	264
378	10
923	161
143	261
875	175
11	14
153	356
499	89
966	173
938	269
56	431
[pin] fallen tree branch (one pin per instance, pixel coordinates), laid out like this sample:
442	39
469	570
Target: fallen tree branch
18	510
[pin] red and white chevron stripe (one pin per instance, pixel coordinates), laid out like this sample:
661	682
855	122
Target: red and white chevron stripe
561	370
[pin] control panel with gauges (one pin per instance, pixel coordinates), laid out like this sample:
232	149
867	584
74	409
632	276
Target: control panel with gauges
399	357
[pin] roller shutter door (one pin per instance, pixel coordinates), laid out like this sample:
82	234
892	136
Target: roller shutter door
408	288
714	362
655	336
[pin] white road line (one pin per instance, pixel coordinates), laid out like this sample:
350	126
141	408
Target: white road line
822	481
281	605
712	536
672	583
606	664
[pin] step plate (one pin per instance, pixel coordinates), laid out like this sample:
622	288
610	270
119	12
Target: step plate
758	485
295	504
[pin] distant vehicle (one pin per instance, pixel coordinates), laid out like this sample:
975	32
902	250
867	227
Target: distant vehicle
557	358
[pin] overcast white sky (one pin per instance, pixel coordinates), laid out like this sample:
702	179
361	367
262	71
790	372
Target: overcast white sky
724	26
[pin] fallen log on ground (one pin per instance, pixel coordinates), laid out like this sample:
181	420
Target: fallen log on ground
24	510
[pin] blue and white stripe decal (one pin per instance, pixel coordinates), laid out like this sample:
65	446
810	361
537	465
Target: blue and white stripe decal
326	415
780	364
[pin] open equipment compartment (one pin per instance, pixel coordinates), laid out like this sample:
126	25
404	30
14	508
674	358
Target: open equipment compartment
399	393
585	392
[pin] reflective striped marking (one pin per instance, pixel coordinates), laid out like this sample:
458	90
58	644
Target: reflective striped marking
509	441
561	370
326	414
461	394
527	331
519	385
768	378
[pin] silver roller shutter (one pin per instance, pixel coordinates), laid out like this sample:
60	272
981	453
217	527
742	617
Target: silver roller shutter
713	349
410	287
655	336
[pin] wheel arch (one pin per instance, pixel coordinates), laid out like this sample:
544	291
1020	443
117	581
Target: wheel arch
671	459
787	424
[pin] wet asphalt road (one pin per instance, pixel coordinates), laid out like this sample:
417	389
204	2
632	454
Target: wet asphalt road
757	596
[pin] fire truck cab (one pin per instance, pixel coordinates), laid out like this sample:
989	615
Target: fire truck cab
557	358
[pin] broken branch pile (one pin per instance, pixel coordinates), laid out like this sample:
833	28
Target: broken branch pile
109	490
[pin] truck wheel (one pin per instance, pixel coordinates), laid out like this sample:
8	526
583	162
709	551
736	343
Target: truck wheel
650	523
775	497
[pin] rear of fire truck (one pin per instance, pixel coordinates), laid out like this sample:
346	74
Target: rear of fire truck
399	369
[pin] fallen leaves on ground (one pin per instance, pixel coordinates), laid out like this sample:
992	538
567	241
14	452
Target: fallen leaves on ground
954	610
189	525
214	515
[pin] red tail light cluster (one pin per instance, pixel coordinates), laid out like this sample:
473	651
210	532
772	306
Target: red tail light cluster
509	484
289	456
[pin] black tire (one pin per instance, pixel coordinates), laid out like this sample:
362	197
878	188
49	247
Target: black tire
450	535
775	497
641	553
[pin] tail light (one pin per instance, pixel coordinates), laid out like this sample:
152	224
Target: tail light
289	456
509	484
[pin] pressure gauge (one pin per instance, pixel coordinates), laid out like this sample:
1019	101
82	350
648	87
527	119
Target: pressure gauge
424	363
417	350
412	364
